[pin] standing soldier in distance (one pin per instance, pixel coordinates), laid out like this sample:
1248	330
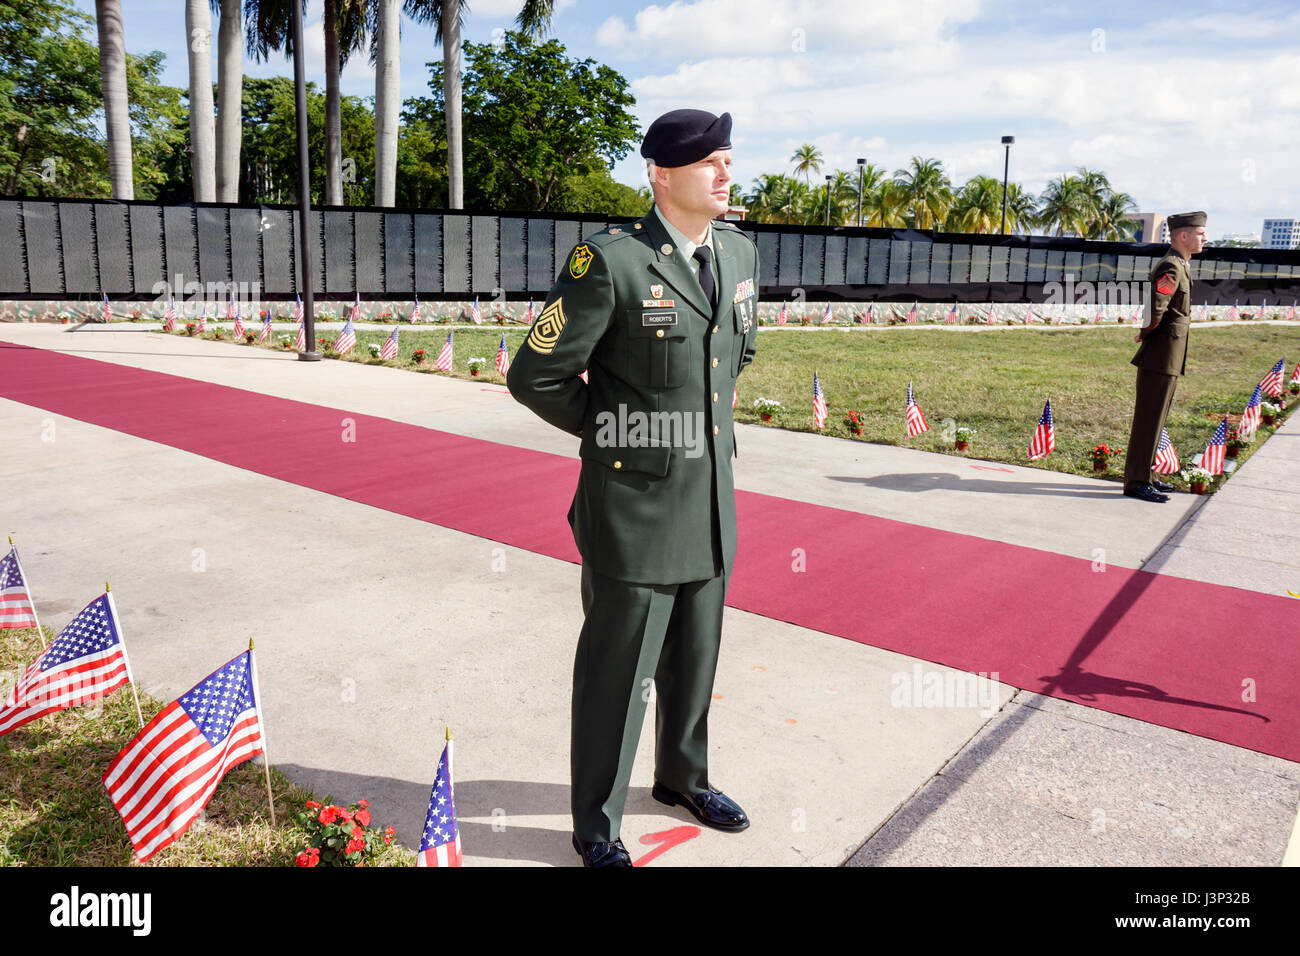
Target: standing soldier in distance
661	313
1161	358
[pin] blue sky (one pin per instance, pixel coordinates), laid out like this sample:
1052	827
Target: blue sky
1189	107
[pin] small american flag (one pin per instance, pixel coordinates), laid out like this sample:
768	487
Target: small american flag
1029	314
1205	311
443	361
203	319
298	313
16	608
915	420
167	774
952	315
440	843
169	319
826	314
415	312
86	661
1212	460
1250	417
1101	315
300	339
347	339
871	313
1290	313
1295	375
475	314
1233	314
1044	441
529	317
1166	462
911	314
503	357
389	350
266	327
735	396
781	319
819	403
239	322
108	309
991	317
1272	383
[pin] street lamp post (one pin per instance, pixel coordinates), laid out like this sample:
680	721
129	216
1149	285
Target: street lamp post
861	165
829	180
304	189
1006	168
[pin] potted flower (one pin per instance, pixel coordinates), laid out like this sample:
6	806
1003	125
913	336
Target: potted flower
374	349
1295	386
766	408
1101	456
804	320
1198	479
500	317
285	342
419	356
854	422
65	317
338	836
191	328
963	437
476	365
1268	413
250	338
1235	444
327	345
217	333
136	315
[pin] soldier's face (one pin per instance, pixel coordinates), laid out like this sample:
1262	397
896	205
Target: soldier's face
1192	238
704	186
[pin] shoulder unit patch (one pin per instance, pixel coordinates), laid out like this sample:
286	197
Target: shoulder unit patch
580	261
1166	284
546	330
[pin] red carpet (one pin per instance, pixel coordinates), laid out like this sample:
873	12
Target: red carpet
1165	650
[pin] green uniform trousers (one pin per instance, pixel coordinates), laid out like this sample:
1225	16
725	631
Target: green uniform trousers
1155	393
634	633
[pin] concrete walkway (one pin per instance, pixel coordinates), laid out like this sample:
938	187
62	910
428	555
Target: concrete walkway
375	630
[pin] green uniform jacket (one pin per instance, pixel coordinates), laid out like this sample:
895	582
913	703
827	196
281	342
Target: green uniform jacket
655	502
1164	342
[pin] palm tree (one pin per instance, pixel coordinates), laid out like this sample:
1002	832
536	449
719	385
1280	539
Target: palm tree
872	177
198	32
1021	208
1065	206
844	197
886	206
1113	220
387	100
230	92
808	160
534	19
117	110
977	207
929	193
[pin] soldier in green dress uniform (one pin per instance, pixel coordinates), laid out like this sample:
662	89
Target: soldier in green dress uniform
661	314
1161	358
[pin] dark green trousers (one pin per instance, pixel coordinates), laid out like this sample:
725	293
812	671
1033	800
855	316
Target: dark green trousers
634	634
1155	393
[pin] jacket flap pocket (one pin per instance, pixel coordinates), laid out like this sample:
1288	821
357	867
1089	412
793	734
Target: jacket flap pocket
597	446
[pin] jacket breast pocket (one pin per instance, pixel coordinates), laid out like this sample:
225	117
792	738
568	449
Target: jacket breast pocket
658	348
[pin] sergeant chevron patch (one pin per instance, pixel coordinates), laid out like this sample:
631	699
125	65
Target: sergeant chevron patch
546	330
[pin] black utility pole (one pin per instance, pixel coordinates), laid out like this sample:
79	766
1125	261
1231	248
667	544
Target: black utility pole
304	188
1006	167
861	164
829	179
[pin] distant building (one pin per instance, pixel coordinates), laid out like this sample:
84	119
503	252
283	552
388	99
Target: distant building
1280	234
735	213
1242	237
1149	225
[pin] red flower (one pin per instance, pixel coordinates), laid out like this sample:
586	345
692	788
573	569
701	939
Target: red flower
355	846
363	817
329	815
309	857
363	803
345	815
389	832
358	833
313	805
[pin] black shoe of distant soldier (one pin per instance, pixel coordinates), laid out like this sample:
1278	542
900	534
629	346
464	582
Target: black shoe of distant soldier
1145	493
1162	486
602	854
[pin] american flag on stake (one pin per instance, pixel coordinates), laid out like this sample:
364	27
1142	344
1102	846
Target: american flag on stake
781	319
440	844
1212	459
203	318
108	309
167	774
1166	462
952	315
1290	313
474	313
415	312
238	331
443	361
1272	383
16	606
169	318
911	315
347	339
300	339
503	357
826	314
1233	314
1101	315
1029	314
1044	440
1205	311
871	313
992	318
915	420
389	349
819	403
1295	375
1250	417
735	396
265	334
86	661
529	317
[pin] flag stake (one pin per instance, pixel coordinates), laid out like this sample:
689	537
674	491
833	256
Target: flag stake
130	678
266	760
30	600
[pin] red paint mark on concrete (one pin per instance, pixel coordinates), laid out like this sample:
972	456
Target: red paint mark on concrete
988	468
667	839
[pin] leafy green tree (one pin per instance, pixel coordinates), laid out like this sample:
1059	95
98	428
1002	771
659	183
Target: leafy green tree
807	161
929	193
886	206
977	206
1065	206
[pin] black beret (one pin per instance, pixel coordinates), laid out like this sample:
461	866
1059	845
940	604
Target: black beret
1185	219
683	137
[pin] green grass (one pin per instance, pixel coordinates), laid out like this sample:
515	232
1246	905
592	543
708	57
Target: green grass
54	810
994	381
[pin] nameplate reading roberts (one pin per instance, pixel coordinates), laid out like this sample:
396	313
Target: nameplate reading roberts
658	318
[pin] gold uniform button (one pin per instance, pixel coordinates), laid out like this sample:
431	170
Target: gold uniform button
715	363
618	464
715	330
659	333
666	249
715	396
715	429
636	225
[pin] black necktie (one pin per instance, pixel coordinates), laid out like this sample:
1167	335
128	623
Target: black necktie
704	255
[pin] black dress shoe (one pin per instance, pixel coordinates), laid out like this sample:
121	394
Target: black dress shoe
1145	493
1162	486
711	807
602	854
